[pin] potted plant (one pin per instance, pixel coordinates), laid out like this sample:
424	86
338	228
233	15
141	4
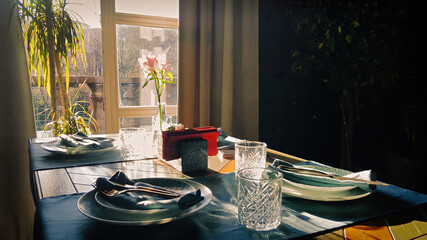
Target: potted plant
54	39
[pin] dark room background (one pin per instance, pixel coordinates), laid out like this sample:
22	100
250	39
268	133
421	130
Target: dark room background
315	53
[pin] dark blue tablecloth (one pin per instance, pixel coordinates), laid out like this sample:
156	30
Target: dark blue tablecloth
58	217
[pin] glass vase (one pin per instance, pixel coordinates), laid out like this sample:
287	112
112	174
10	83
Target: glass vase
160	123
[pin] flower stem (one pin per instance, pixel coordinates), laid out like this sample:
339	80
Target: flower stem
158	85
160	113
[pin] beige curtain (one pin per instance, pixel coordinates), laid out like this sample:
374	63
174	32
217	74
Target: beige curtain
16	127
218	72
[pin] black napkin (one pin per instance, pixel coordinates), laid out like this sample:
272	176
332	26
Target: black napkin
81	140
141	201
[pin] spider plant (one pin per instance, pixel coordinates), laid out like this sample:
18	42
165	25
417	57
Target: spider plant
77	120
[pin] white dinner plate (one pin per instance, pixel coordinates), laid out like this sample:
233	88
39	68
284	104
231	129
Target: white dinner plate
351	194
88	206
176	185
57	148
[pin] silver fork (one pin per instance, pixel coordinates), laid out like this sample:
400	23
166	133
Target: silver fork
153	191
114	192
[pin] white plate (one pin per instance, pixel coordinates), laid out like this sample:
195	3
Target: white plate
88	206
319	188
355	193
57	148
177	185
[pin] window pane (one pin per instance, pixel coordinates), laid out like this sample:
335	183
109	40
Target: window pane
161	8
88	10
145	122
134	44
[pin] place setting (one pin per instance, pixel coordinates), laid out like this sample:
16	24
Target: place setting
79	144
147	201
315	181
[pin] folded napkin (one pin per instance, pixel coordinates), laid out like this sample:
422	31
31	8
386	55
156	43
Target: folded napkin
222	135
81	140
140	201
325	181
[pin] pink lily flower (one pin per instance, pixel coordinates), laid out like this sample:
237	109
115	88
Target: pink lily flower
150	64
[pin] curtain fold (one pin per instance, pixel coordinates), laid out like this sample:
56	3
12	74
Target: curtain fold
16	127
218	72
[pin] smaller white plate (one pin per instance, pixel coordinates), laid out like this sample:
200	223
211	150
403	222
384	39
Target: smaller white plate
57	148
319	188
355	193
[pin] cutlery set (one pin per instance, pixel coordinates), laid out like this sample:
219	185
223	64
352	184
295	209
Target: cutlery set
313	172
145	189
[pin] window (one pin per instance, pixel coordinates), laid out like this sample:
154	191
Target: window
131	30
159	8
128	38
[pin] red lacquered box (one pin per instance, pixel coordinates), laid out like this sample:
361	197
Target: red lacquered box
171	140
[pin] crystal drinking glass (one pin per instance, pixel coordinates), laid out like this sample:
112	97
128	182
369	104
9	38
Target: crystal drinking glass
259	198
132	143
249	154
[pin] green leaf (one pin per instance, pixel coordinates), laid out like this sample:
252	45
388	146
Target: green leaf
169	75
145	84
169	82
320	45
295	53
339	29
348	38
345	92
67	74
356	24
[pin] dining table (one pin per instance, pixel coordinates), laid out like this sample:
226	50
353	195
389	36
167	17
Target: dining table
60	182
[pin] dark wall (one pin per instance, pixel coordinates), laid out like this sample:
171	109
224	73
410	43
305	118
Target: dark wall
298	117
303	118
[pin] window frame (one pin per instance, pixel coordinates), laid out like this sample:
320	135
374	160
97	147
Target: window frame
109	19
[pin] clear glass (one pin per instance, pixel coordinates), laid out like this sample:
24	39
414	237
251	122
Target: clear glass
144	122
250	154
161	8
259	198
135	143
134	44
157	130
